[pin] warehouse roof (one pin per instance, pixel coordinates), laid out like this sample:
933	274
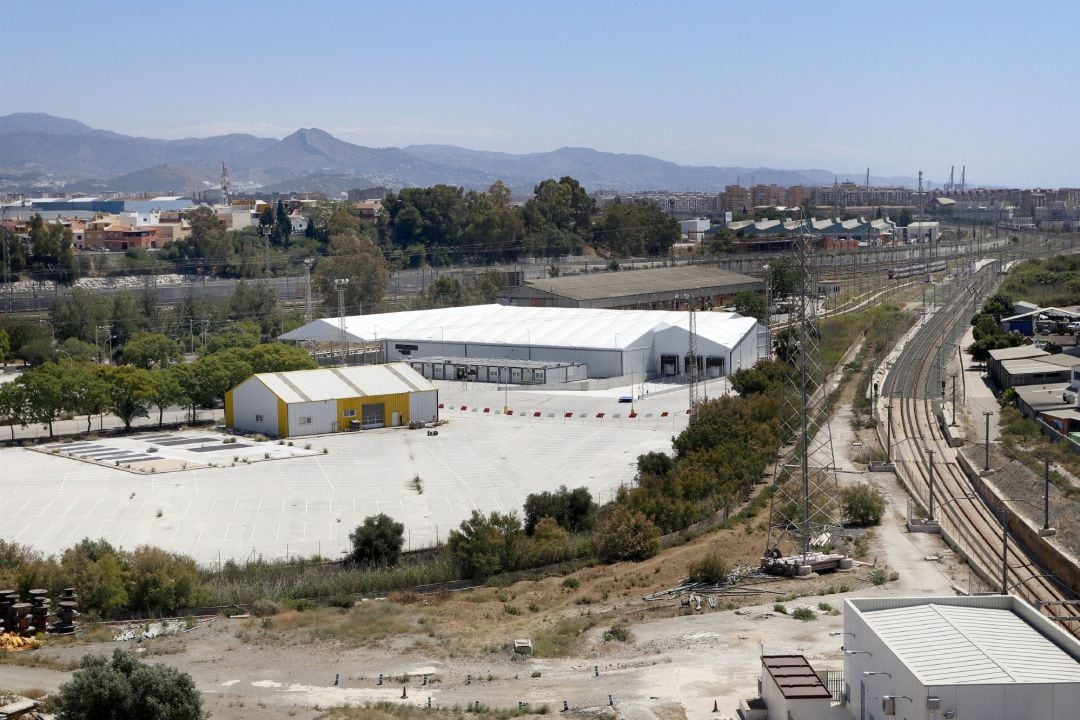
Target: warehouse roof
973	640
1015	353
596	286
333	383
535	326
1028	366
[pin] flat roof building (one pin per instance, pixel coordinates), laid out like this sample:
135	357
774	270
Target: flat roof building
992	657
611	343
653	289
312	402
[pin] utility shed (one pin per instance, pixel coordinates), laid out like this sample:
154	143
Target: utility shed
992	657
312	402
791	689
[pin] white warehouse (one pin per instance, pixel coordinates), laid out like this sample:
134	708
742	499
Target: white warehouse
992	657
610	343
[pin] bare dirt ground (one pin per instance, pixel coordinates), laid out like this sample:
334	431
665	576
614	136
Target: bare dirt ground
674	657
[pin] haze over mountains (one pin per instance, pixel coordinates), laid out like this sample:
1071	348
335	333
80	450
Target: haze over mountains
39	149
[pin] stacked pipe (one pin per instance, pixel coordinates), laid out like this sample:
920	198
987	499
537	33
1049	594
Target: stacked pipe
7	599
67	611
39	612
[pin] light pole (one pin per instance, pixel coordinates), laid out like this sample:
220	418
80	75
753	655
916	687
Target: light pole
931	454
986	460
953	423
888	432
1046	497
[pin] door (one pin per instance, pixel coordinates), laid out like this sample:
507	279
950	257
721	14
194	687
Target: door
374	415
862	700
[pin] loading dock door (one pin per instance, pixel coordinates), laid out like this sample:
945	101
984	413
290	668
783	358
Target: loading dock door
669	365
374	416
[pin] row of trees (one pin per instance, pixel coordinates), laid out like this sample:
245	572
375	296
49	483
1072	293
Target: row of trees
50	249
80	387
87	325
987	331
444	224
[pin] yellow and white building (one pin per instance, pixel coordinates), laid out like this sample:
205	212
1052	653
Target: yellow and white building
312	402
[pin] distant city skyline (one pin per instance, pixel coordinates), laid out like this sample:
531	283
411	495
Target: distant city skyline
840	86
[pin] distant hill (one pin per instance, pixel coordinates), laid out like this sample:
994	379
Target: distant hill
36	145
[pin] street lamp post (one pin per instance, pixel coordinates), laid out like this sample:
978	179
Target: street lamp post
888	432
986	437
1046	496
931	454
953	423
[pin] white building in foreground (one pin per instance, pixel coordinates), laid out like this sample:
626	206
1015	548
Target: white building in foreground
611	343
928	658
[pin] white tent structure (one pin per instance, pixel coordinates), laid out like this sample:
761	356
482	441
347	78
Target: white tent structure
611	342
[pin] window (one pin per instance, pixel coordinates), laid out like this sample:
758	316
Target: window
349	412
305	420
258	418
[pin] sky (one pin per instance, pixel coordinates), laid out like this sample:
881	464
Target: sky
840	85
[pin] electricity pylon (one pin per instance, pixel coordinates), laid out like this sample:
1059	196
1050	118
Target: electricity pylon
805	508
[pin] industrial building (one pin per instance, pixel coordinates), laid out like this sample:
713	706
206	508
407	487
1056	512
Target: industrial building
992	657
514	372
610	343
655	289
312	402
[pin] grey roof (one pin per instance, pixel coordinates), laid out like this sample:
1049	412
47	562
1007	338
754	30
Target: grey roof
1043	397
1062	360
1026	366
594	286
1015	353
998	640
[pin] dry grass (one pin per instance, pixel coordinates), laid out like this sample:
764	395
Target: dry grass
365	625
38	659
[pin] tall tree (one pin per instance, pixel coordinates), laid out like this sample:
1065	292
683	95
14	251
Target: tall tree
149	350
359	261
130	389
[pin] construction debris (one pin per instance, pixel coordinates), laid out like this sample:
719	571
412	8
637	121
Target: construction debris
732	587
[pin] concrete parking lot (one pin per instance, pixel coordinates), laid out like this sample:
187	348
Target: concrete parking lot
308	505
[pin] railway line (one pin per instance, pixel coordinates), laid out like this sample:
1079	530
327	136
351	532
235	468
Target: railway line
972	526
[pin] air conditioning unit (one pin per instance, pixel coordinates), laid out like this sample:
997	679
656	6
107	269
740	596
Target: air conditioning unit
888	705
933	703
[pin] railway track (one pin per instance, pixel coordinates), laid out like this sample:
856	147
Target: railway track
972	526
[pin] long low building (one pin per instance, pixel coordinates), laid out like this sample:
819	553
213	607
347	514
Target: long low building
313	402
610	343
653	289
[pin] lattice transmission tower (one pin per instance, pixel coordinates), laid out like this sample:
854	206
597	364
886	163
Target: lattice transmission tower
804	516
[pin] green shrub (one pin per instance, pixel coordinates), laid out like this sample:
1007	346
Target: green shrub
617	632
128	688
626	535
571	583
863	504
711	569
804	613
342	600
378	541
779	607
264	608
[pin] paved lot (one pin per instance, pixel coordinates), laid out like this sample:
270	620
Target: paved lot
157	452
310	504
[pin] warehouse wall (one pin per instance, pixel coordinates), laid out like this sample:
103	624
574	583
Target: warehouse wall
248	400
423	406
398	403
321	413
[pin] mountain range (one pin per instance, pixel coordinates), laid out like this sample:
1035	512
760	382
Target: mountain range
40	150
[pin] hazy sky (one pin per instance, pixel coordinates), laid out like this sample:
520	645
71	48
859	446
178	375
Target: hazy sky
896	86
